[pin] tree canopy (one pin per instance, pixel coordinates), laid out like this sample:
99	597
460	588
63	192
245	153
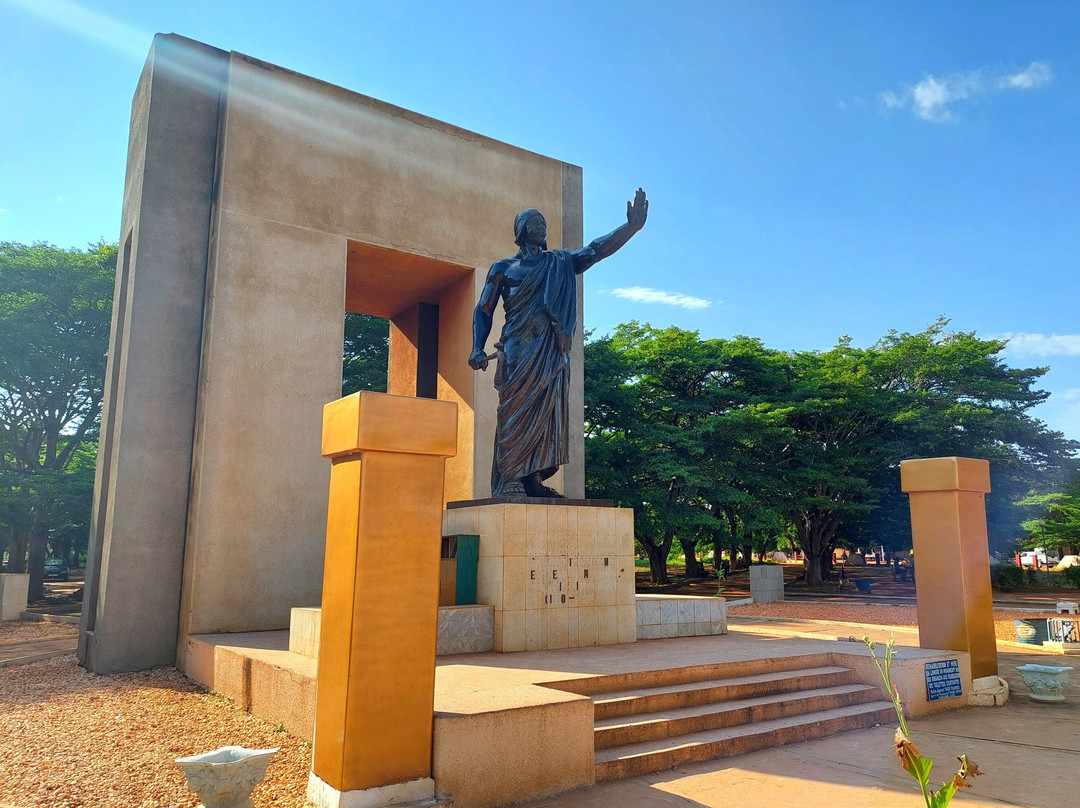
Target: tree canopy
366	351
729	441
55	312
1057	524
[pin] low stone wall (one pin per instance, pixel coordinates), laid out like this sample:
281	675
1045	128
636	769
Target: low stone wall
660	616
462	630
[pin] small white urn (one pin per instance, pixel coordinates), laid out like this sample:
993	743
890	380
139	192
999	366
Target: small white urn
225	777
1047	682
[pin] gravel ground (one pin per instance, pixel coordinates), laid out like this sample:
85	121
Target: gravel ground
70	738
872	614
23	630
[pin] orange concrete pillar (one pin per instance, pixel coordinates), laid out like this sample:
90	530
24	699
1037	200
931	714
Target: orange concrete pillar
952	557
376	680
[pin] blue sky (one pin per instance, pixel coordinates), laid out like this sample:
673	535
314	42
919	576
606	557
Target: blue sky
814	169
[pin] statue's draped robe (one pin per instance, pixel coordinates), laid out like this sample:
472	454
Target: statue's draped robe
533	376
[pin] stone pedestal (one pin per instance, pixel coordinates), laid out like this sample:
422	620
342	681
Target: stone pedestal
14	587
952	556
376	680
766	583
558	575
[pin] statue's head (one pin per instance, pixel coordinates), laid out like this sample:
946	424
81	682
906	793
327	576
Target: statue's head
530	228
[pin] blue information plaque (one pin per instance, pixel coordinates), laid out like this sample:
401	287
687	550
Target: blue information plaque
943	680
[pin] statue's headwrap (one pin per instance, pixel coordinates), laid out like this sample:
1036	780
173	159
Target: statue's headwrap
519	225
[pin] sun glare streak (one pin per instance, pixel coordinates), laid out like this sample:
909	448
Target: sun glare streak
324	117
116	35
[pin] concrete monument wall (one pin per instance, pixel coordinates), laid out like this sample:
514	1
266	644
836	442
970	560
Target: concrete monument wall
261	204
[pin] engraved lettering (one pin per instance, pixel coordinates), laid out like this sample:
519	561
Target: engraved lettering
532	575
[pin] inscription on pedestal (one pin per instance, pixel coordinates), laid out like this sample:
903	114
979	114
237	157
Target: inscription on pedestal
557	576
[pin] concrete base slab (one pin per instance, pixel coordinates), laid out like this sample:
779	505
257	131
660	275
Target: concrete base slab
323	795
20	653
517	726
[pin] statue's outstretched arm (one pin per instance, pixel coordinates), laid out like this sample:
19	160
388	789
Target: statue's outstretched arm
637	211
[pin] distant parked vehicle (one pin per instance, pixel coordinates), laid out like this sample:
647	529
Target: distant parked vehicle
56	569
1038	558
1066	562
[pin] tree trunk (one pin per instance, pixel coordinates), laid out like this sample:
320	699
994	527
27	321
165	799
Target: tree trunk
815	531
39	536
694	568
17	550
717	554
658	555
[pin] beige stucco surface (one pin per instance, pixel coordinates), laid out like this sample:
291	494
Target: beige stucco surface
258	512
136	548
305	168
247	187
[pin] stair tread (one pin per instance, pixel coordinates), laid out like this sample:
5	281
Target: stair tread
663	745
772	676
676	713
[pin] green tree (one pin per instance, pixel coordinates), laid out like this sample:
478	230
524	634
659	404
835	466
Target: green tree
665	434
856	413
55	311
366	352
729	440
1058	522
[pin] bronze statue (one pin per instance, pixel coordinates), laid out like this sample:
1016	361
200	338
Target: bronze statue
538	290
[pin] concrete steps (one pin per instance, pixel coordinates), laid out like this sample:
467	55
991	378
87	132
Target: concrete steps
653	699
612	732
638	730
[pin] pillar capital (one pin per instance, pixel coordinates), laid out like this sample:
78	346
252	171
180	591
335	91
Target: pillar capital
945	474
378	422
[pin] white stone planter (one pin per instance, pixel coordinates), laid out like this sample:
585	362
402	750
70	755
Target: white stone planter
1046	681
225	777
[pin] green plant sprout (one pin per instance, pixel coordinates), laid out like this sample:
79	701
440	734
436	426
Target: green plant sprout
914	763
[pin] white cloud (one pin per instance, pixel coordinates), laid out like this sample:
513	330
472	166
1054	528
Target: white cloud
1072	394
1024	344
641	294
931	98
1036	74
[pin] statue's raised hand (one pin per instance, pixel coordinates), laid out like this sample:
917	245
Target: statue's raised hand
637	211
